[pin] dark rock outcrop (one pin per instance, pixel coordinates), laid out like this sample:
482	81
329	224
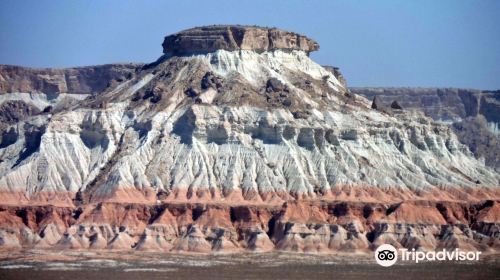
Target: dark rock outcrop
395	105
376	103
210	80
13	111
336	72
235	37
274	85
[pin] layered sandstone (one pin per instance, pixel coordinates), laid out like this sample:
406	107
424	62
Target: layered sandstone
236	37
306	226
237	146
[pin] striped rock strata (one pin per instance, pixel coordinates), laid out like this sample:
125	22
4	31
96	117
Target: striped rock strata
233	148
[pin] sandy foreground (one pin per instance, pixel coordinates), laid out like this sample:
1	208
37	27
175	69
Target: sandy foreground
71	264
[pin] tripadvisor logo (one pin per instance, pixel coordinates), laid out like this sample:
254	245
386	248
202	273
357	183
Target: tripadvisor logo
386	255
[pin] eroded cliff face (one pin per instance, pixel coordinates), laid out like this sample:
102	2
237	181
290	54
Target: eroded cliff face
442	104
474	115
26	92
305	226
236	37
255	149
79	80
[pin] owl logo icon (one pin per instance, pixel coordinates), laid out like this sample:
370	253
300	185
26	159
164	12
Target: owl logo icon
386	255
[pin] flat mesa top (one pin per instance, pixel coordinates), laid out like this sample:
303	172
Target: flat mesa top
235	37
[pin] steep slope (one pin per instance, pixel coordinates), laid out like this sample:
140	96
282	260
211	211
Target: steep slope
474	115
25	92
442	104
253	123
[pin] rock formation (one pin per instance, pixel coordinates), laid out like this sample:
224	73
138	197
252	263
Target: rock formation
474	115
25	92
441	104
236	37
234	140
336	72
79	80
296	226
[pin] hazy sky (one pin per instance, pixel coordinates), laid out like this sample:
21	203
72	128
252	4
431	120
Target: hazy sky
375	43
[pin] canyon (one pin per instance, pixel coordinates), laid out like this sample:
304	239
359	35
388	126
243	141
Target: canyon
236	140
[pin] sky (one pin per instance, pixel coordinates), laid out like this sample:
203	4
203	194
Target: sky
426	43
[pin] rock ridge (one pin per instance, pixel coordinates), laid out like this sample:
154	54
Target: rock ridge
75	80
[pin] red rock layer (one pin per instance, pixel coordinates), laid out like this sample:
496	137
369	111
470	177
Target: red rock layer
239	197
299	226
